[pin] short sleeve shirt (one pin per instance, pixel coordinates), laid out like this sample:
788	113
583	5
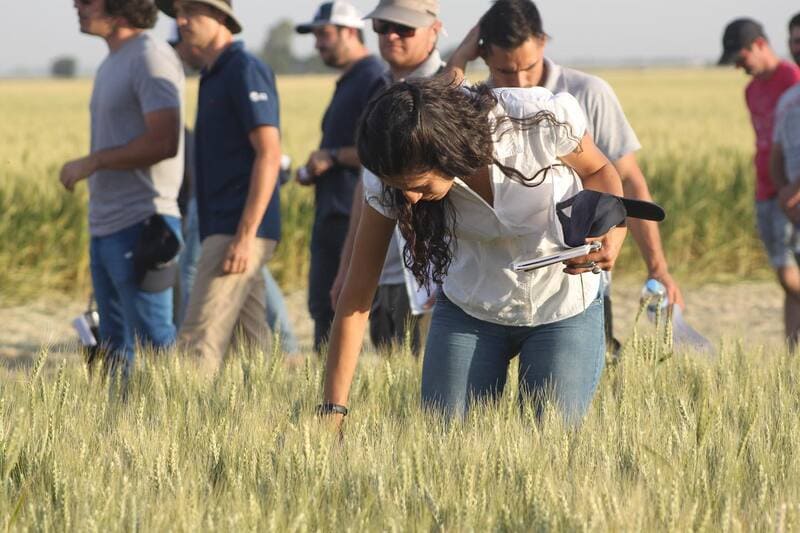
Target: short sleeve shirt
521	223
606	121
141	77
334	189
787	131
237	95
762	95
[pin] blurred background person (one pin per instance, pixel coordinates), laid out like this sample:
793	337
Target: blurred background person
745	45
237	147
334	169
794	38
408	32
277	314
134	169
511	40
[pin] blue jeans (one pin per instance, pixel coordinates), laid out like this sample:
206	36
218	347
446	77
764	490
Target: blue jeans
127	314
189	256
277	316
466	360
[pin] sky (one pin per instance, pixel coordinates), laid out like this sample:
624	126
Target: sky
583	31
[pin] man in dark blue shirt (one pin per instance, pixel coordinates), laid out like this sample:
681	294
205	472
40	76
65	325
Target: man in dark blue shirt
237	156
334	169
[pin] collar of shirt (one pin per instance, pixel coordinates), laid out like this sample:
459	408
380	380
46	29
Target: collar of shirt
552	73
234	48
430	67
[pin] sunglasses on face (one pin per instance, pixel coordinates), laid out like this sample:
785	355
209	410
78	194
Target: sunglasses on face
384	27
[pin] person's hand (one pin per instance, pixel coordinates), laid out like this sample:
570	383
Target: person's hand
238	255
674	295
789	201
469	49
319	162
303	177
76	170
336	288
604	258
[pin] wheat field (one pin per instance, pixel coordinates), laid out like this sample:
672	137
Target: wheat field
673	441
692	124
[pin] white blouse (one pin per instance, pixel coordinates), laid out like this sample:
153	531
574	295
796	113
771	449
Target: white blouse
522	223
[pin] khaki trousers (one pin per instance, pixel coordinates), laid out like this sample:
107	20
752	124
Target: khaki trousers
219	302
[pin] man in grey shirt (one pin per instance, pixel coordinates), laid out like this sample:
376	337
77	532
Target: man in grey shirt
511	40
134	169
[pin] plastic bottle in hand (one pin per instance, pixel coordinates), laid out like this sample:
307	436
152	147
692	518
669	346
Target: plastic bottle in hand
304	176
654	294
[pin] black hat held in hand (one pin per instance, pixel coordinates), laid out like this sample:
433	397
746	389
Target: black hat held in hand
593	214
155	256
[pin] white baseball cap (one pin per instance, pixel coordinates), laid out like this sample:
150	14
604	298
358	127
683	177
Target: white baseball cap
338	13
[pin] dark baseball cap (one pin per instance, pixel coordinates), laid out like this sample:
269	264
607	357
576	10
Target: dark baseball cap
155	256
593	213
739	34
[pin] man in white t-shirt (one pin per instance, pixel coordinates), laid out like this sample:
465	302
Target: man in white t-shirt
511	40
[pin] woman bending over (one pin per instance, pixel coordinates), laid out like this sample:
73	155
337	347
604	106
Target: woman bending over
471	177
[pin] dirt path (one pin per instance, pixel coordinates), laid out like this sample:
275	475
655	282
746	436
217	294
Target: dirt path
750	311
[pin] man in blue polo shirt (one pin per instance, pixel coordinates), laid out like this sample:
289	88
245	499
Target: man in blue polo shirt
237	155
334	168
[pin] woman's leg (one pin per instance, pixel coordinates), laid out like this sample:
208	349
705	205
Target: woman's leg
563	361
466	359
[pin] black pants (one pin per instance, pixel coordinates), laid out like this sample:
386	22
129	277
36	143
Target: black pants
327	240
390	318
612	344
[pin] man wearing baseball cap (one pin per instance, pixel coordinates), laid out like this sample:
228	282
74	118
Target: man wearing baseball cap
237	156
745	45
408	31
334	168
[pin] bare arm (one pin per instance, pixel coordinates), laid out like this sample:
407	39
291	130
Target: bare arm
468	50
788	191
597	173
352	311
645	232
347	248
159	141
263	177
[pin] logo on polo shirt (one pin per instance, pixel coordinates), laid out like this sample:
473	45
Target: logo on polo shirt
256	96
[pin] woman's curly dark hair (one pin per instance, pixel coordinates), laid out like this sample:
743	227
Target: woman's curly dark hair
416	126
140	14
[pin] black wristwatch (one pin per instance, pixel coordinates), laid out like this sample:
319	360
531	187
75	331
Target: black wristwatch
329	408
334	153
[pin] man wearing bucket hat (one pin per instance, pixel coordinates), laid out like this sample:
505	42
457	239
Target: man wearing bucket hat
134	172
408	31
237	155
745	45
334	168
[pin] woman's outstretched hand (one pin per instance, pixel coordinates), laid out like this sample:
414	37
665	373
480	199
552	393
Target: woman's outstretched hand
604	258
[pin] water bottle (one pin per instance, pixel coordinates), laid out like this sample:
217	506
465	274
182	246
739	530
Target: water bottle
304	177
654	294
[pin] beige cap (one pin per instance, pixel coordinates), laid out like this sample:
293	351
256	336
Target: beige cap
168	7
413	13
